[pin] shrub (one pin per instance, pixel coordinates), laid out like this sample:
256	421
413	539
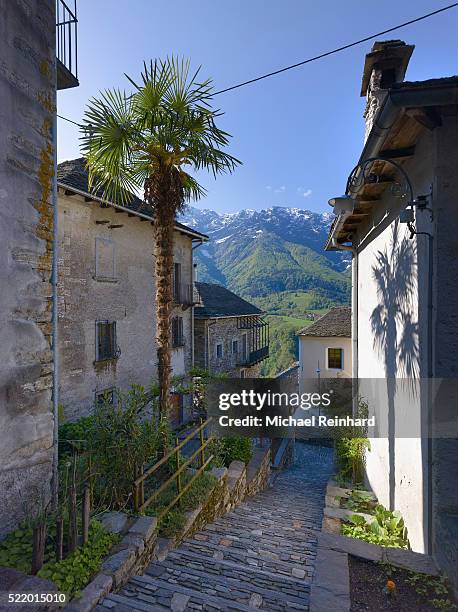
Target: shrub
73	435
350	458
121	441
226	450
173	522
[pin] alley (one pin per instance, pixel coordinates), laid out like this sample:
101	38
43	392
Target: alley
260	556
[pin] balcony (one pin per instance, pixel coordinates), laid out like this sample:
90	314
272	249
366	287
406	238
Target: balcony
254	357
66	45
183	294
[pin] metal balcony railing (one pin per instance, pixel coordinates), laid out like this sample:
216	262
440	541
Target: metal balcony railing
254	357
66	45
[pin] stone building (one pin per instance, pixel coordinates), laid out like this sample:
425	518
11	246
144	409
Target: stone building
107	294
230	334
29	73
399	220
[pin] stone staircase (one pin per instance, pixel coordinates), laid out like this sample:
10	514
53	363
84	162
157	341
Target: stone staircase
260	556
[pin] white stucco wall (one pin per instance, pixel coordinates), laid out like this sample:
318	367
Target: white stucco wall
313	351
392	344
128	298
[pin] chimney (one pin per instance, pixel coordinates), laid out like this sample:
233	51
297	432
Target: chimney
385	65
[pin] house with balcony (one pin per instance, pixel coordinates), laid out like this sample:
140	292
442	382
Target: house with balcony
398	219
107	295
231	335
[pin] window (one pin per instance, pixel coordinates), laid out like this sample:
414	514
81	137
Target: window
219	350
105	269
176	282
105	397
235	347
177	332
106	345
335	358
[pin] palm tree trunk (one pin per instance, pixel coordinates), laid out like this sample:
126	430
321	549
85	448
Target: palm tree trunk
164	191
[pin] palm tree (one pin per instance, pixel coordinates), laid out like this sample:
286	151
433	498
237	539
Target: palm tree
147	142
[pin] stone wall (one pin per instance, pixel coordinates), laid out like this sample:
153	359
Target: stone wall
27	94
210	332
90	290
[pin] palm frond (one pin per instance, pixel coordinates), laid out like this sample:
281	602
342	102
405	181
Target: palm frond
166	122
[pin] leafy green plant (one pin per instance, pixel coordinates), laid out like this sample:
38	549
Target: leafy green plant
386	529
75	571
16	549
226	450
359	501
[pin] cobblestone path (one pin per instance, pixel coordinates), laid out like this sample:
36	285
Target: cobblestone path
260	556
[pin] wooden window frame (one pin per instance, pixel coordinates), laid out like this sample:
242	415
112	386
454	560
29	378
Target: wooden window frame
101	353
328	360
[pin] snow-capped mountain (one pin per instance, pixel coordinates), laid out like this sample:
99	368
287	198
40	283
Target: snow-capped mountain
277	249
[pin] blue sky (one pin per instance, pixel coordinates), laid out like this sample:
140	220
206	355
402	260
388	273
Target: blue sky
297	133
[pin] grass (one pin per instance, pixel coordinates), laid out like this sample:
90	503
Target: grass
173	522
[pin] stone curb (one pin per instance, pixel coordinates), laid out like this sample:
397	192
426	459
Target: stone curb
330	589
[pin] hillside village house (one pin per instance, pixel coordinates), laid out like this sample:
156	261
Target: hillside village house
405	289
107	314
325	347
230	334
38	55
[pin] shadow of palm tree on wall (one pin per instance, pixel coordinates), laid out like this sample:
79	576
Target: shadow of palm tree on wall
394	329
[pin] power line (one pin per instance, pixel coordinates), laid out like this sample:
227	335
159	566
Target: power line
69	120
327	53
317	57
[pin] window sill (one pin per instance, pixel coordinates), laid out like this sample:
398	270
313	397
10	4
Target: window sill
102	361
105	279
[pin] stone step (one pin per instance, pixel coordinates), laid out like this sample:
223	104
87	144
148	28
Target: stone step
284	546
232	583
187	556
121	603
263	559
173	596
300	527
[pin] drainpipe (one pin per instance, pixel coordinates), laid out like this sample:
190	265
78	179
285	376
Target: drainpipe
193	279
55	352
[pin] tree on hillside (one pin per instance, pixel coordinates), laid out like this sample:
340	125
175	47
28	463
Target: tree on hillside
148	141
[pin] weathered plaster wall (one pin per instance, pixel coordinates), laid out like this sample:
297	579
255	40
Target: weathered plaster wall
392	344
127	298
27	95
210	332
313	351
445	452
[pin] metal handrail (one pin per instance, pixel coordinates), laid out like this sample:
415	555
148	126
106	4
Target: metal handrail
139	495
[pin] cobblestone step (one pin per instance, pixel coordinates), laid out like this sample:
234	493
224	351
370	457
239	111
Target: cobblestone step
234	583
191	557
172	595
258	557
